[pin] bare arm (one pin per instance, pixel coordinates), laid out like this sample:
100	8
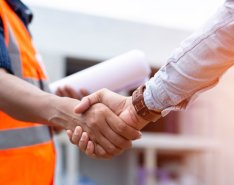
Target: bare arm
25	102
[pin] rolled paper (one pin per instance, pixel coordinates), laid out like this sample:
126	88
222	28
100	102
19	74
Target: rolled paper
123	72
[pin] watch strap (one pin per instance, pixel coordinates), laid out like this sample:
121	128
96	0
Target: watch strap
140	106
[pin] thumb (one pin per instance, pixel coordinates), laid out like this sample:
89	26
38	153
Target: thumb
86	103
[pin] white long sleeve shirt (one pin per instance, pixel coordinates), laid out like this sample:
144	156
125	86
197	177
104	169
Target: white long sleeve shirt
197	64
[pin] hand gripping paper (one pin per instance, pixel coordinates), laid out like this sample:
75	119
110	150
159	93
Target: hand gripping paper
124	72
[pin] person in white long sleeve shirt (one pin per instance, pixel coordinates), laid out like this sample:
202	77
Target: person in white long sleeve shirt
196	65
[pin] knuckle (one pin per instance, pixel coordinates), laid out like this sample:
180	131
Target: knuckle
102	109
92	122
92	137
102	93
103	90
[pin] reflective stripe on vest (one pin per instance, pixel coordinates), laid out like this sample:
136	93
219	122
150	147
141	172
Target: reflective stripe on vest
17	66
22	137
27	152
14	54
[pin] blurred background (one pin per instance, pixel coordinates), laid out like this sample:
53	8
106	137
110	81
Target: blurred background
194	147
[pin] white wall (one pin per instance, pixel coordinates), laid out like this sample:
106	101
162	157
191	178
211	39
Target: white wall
70	33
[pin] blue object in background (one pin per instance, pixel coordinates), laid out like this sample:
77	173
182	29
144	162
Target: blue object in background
86	181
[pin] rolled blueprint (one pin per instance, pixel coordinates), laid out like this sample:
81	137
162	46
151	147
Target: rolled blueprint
124	72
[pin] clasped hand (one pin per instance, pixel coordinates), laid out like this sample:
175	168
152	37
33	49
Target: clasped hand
110	124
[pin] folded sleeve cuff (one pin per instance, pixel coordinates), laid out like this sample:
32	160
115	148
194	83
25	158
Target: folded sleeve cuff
156	97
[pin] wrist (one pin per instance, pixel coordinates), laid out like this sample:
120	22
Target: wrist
47	108
140	107
59	111
134	119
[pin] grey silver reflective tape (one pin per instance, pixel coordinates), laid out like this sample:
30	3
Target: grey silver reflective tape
14	54
42	84
32	81
45	86
22	137
16	64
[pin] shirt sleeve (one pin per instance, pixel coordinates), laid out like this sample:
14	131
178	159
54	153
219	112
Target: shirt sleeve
197	64
4	56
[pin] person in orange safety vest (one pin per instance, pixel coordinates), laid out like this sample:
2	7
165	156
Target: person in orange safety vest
28	111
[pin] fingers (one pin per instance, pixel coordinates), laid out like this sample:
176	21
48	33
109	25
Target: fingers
85	103
90	100
123	129
114	138
90	149
99	122
106	129
96	151
117	140
81	140
67	91
84	92
100	131
106	144
83	143
75	136
61	92
115	103
71	92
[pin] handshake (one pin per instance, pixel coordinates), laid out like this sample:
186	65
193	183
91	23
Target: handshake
102	124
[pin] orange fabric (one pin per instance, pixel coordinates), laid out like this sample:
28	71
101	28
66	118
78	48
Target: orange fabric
27	165
5	26
31	67
31	165
10	123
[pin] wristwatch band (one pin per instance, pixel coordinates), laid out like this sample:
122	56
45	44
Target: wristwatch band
140	107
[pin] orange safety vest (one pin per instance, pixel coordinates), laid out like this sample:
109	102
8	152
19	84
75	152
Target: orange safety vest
27	153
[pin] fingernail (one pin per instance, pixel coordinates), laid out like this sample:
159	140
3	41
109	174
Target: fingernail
69	132
84	136
89	145
77	131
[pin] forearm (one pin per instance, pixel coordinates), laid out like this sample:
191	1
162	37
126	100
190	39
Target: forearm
26	102
198	63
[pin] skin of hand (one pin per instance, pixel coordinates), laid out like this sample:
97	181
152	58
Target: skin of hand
38	106
122	106
98	123
105	152
67	91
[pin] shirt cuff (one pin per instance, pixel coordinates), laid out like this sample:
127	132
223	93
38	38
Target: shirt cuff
156	98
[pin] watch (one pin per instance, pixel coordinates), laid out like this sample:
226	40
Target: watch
140	106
